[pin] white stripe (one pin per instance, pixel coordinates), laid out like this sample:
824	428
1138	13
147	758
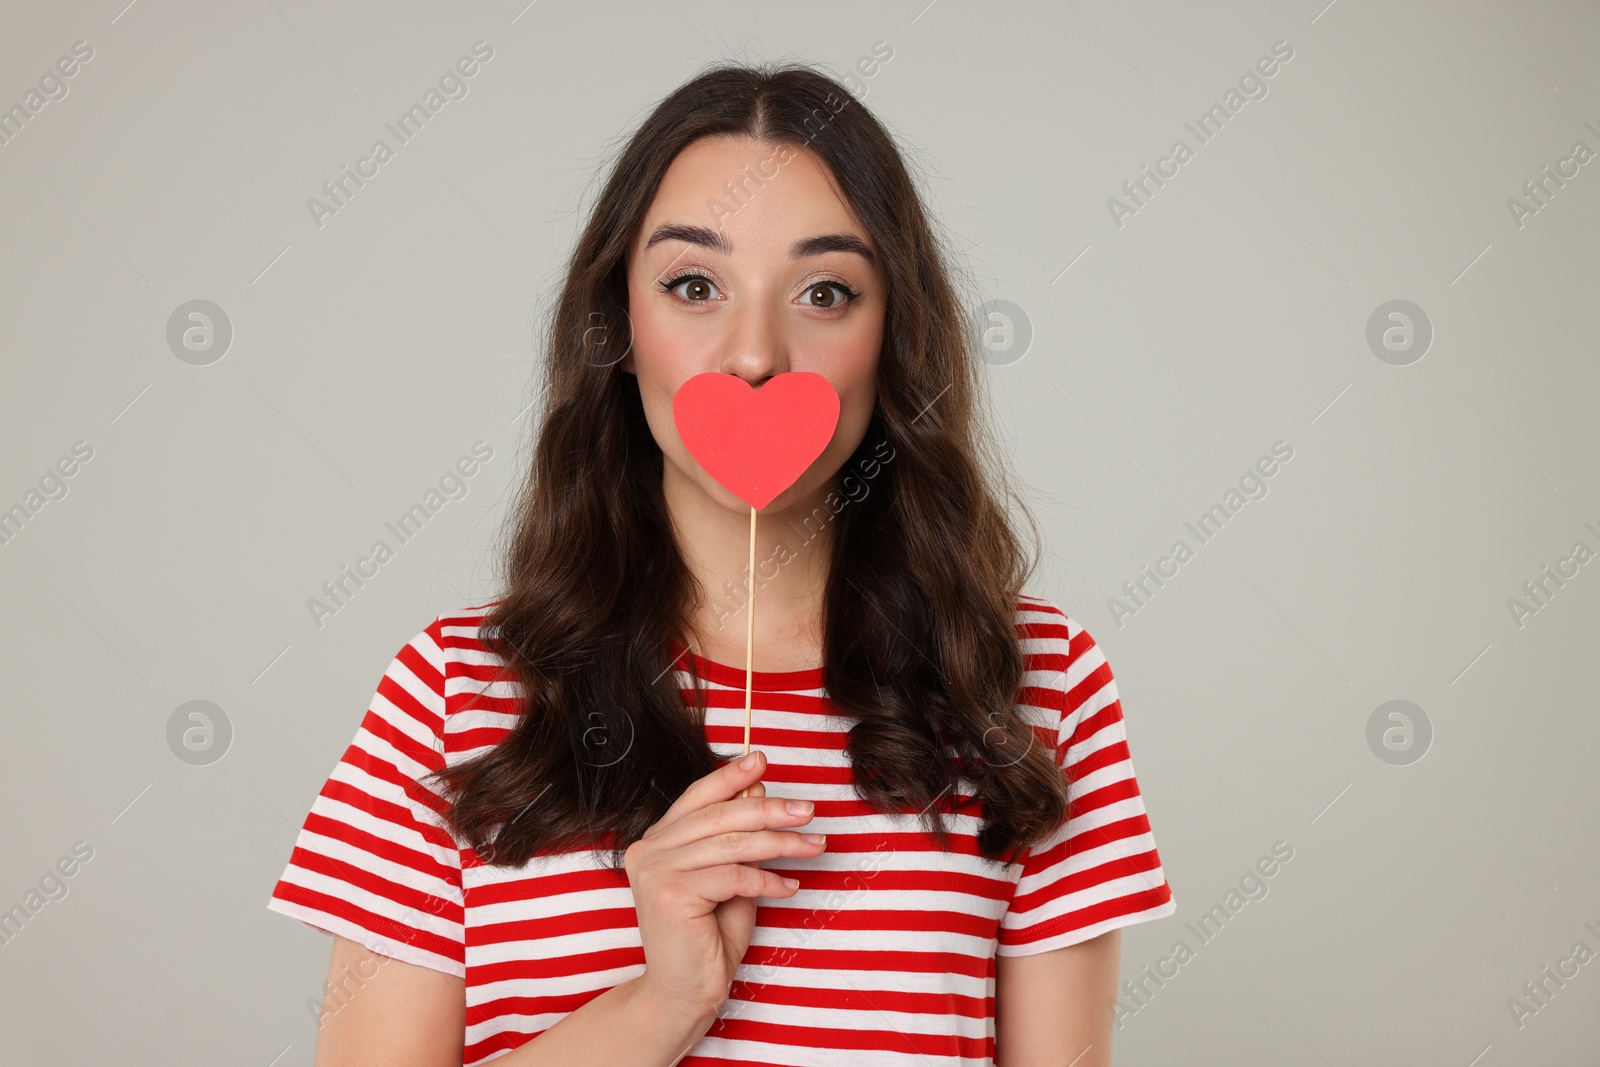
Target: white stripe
360	859
339	889
1073	937
1088	897
333	924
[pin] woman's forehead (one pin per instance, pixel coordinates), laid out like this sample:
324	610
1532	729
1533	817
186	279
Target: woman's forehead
758	198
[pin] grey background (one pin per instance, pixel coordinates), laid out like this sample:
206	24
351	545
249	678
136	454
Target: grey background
1168	355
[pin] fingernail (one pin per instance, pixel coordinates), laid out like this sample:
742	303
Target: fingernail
792	883
749	762
799	807
815	839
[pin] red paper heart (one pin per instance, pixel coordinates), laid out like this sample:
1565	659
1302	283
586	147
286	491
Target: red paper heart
756	442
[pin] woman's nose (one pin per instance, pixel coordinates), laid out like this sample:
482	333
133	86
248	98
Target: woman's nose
756	347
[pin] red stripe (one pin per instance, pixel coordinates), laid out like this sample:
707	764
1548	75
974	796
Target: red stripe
1099	760
368	920
848	1038
1132	904
1117	867
404	896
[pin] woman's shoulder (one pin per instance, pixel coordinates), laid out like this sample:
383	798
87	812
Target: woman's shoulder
480	697
1065	670
1046	628
445	668
1040	617
463	630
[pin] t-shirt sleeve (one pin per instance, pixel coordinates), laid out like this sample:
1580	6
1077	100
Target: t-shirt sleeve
374	861
1099	870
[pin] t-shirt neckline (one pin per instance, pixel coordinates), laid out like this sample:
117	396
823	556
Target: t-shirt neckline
760	681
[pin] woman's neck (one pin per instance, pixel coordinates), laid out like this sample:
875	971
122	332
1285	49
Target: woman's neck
793	552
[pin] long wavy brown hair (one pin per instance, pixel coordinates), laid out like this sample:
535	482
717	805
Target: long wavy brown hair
919	617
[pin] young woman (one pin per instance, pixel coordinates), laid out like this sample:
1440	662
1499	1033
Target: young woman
542	844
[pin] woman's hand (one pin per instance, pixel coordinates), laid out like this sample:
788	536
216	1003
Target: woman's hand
695	875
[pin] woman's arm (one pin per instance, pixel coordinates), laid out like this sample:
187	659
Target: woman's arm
379	1010
383	1012
1053	1009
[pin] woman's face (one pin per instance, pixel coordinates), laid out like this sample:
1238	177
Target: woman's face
756	286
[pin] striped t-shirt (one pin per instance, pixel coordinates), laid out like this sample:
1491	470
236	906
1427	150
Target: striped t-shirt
886	953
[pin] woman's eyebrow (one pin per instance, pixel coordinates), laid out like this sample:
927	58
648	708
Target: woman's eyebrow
831	242
694	235
715	240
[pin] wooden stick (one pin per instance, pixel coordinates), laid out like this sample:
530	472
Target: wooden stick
750	633
749	640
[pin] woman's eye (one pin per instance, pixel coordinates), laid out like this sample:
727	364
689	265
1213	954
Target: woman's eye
698	287
825	292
